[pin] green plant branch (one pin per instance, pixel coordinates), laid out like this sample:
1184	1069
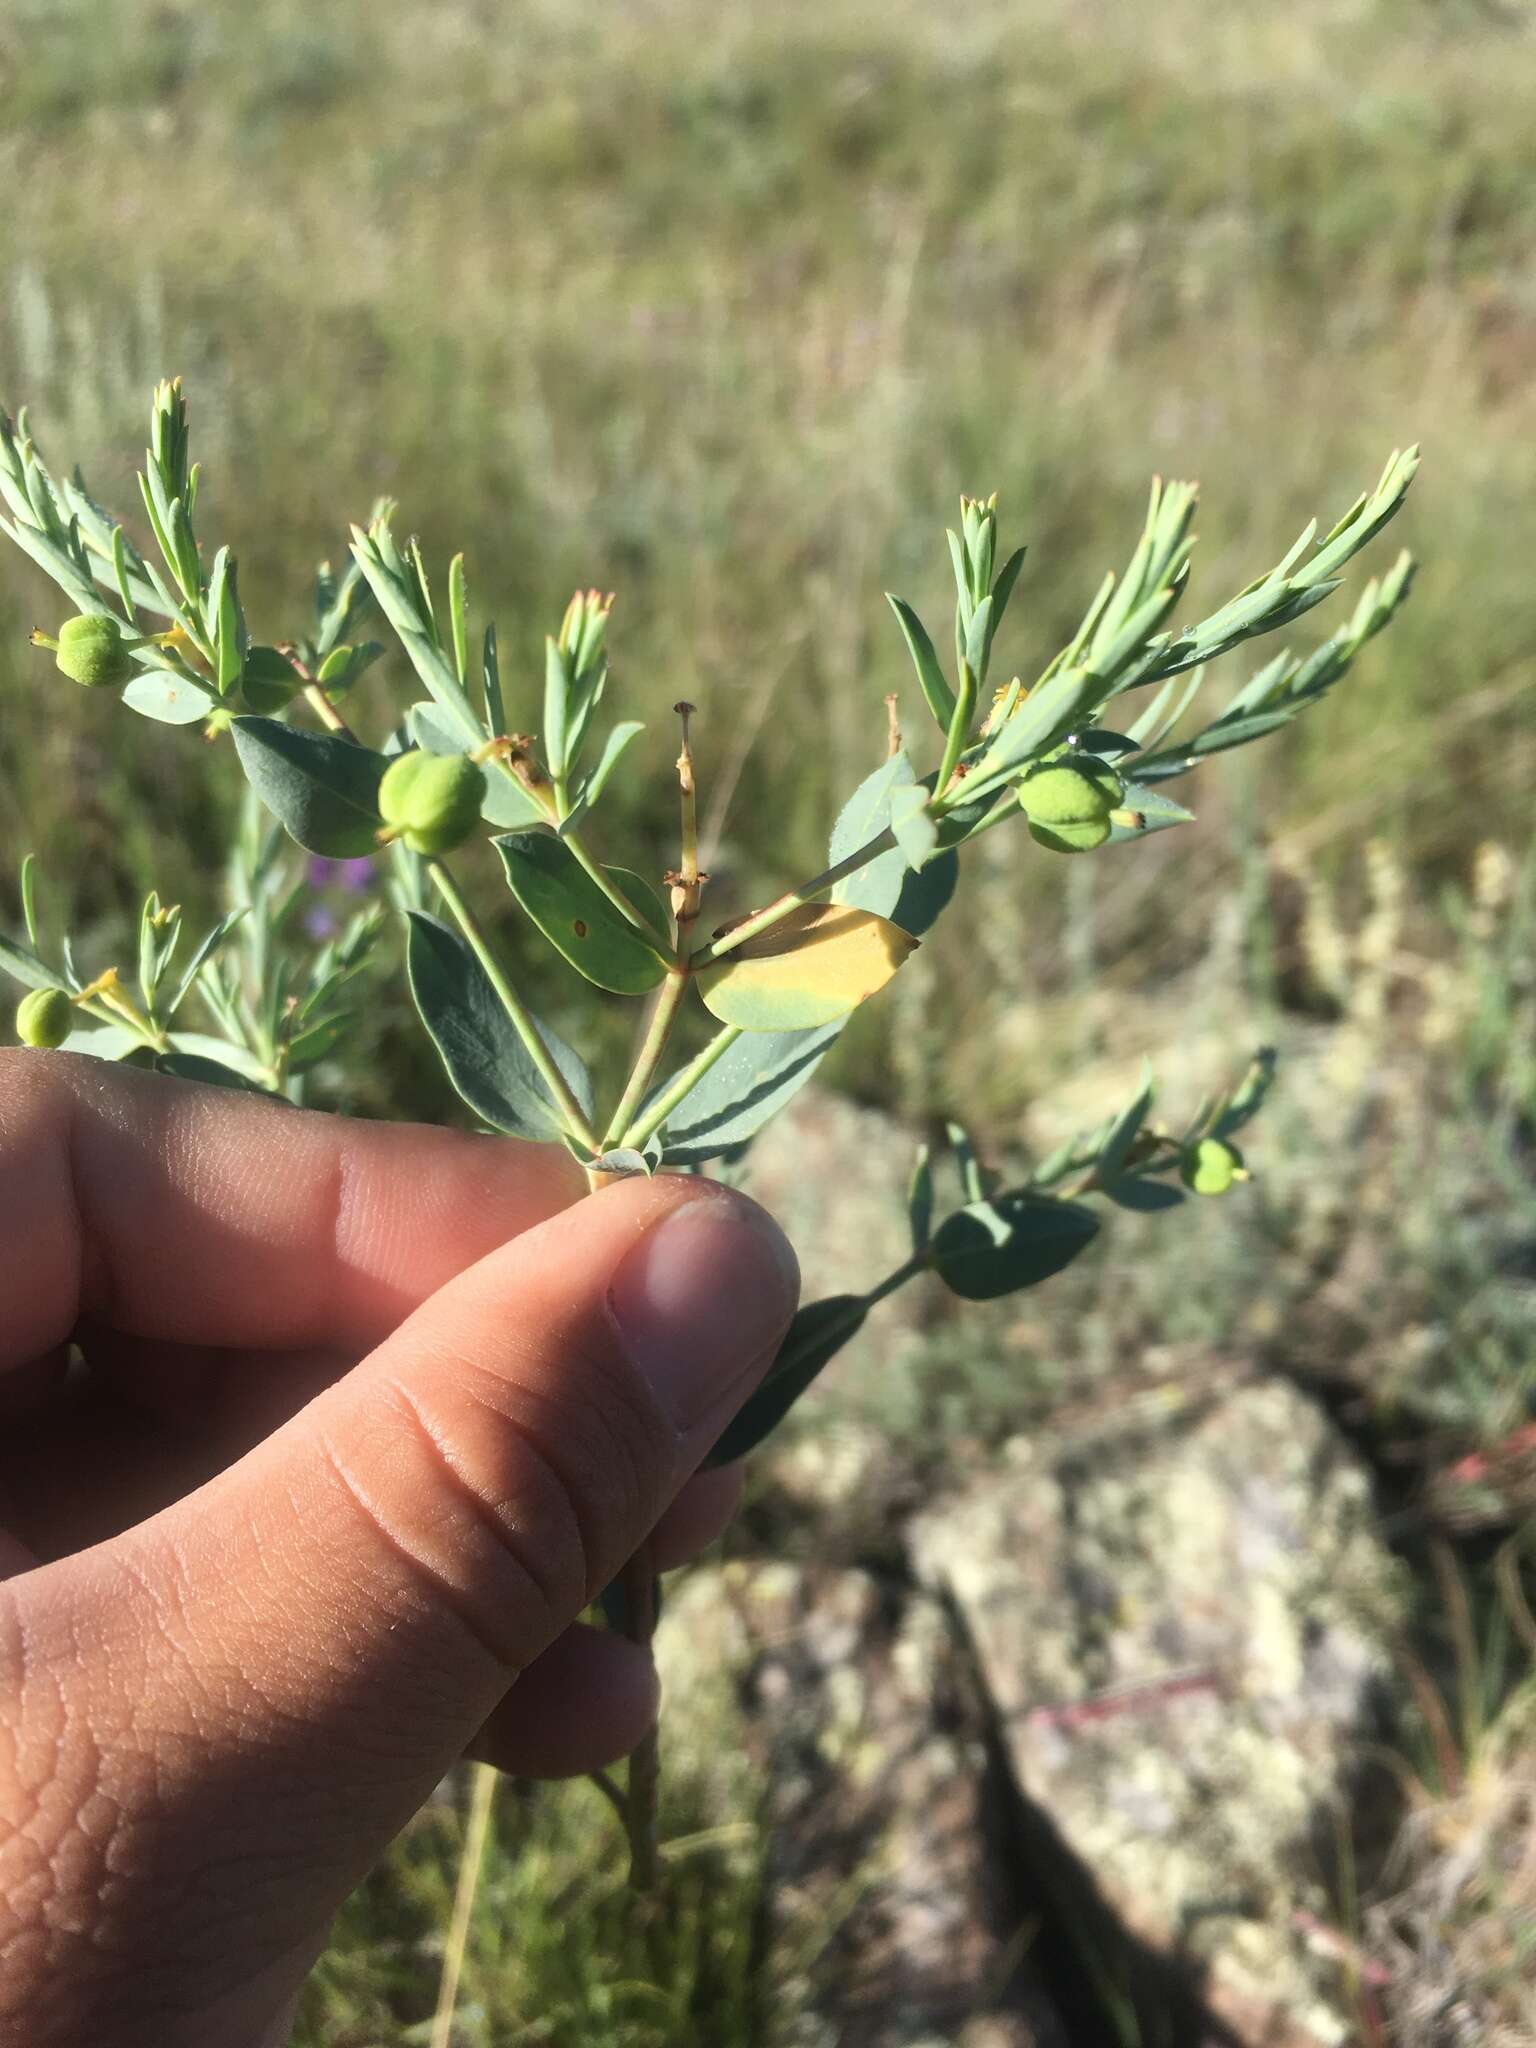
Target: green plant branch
793	899
898	1277
599	874
681	1086
638	1582
664	1014
576	1121
959	727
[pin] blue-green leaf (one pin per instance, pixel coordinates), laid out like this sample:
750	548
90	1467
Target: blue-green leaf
24	966
170	699
747	1085
916	832
939	696
1010	1242
613	747
487	1062
323	788
818	1333
575	916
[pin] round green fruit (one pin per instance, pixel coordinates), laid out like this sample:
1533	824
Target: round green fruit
1079	838
1077	792
92	651
1068	803
44	1018
1211	1166
432	801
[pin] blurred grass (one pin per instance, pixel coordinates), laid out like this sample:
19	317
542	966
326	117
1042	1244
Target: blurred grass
723	311
721	307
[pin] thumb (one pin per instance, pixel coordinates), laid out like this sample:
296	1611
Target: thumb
294	1655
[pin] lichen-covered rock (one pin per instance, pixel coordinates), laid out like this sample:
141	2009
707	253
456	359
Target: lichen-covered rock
847	1725
1182	1634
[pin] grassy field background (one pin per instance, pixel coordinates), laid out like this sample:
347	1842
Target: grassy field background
722	307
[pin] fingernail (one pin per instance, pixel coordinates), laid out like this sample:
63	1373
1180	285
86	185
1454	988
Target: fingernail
703	1297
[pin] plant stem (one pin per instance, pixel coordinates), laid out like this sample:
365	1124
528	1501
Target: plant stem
680	1086
690	883
471	1862
959	728
669	1002
575	1117
325	710
597	872
909	1270
638	1581
792	899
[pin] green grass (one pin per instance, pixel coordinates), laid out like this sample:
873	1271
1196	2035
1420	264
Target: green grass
559	1954
723	311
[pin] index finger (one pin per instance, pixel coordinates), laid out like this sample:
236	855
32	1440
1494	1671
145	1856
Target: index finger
205	1216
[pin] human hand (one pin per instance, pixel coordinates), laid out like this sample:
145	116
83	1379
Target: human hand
368	1414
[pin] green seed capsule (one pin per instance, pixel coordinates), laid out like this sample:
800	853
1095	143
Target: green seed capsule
432	801
1081	838
1211	1166
92	651
44	1018
1071	792
1068	803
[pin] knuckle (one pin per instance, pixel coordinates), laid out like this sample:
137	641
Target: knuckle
511	1498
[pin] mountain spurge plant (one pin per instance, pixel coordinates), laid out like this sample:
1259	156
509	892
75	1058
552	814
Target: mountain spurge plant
1079	760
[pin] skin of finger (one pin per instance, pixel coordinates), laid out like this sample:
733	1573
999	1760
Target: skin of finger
91	1462
593	1694
343	1681
581	1706
204	1215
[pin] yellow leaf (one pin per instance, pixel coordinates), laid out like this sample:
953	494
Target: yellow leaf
814	966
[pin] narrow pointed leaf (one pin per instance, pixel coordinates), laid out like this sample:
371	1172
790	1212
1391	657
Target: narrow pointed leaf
24	966
1047	714
608	760
939	696
206	950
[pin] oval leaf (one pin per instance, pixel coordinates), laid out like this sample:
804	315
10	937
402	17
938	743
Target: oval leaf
878	884
916	833
818	1333
1010	1242
487	1062
324	789
814	966
574	914
173	700
643	899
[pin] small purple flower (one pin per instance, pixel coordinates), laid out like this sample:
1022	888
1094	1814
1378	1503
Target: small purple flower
319	922
355	876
